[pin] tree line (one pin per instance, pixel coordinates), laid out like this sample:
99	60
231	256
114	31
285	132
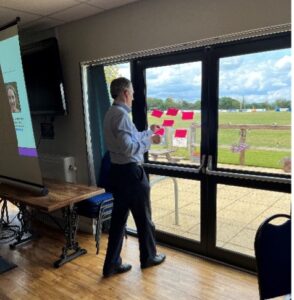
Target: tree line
112	72
224	103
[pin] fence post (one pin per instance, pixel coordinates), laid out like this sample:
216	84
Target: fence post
243	132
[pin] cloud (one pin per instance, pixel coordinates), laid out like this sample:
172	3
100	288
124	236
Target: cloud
181	82
284	63
124	70
258	77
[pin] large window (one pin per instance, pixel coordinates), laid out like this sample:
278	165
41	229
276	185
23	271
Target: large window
175	206
227	106
174	102
255	111
235	229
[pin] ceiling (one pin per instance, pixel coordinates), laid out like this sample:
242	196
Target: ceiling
38	15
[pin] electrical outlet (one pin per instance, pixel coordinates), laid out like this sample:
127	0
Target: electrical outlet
47	131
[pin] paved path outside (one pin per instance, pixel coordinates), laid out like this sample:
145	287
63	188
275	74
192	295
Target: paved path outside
239	212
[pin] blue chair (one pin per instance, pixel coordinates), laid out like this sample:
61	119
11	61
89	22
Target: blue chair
273	257
99	207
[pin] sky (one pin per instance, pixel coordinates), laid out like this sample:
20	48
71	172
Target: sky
257	77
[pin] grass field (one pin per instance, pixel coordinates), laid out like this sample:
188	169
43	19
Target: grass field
267	147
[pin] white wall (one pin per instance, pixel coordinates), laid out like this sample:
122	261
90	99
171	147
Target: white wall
145	25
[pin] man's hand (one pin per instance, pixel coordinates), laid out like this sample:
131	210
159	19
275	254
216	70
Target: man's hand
156	139
154	127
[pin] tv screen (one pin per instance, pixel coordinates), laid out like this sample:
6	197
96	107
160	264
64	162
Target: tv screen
43	77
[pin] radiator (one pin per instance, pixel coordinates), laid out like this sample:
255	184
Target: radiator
62	168
58	167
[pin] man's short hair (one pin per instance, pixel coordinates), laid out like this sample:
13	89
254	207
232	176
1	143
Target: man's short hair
118	85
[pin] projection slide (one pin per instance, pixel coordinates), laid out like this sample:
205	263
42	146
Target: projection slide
11	65
18	154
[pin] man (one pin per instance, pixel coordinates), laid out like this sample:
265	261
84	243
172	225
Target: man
129	184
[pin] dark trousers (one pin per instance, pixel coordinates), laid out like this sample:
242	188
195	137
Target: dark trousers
131	192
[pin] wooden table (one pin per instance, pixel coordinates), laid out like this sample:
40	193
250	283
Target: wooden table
61	196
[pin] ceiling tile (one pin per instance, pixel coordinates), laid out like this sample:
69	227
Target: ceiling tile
107	4
8	15
79	11
42	7
57	12
42	24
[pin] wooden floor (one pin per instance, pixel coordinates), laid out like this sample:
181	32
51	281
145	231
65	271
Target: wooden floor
181	277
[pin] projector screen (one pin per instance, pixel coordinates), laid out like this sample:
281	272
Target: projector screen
18	154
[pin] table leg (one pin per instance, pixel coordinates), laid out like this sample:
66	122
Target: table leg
24	217
71	224
176	192
3	214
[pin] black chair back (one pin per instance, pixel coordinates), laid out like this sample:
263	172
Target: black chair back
273	257
104	181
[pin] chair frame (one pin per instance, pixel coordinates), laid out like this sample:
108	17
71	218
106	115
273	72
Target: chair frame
105	212
257	237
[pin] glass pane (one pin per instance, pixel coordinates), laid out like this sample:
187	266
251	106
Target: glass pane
175	206
240	211
174	103
255	112
114	71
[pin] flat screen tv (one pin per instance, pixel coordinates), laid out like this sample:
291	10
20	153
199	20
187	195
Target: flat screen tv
43	77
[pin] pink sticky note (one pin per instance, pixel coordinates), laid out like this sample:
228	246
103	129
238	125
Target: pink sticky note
160	131
157	113
181	133
168	123
172	112
187	115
